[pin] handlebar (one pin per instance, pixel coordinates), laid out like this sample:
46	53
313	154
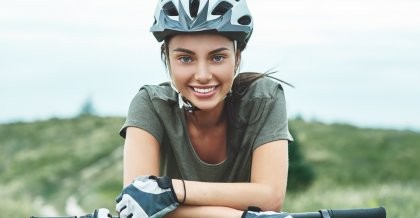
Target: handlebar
378	212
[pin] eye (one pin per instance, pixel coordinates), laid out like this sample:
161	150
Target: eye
218	58
185	59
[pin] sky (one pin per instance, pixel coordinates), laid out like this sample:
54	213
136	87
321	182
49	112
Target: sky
351	61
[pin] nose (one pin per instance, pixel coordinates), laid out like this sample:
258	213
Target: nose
203	73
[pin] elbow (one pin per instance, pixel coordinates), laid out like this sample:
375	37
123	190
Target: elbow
276	202
273	201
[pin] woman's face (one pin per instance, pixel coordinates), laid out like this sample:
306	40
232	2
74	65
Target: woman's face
202	67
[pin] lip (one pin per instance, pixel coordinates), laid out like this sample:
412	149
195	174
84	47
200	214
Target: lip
204	91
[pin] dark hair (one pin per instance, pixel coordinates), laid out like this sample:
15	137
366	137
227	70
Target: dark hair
243	81
164	51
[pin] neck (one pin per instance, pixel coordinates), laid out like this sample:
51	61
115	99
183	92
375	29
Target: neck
207	119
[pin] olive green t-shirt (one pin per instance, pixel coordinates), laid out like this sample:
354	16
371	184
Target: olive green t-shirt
259	117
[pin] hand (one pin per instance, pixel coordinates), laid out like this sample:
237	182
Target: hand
255	212
147	196
98	213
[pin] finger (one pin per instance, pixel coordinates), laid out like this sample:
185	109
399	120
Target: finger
120	206
125	214
119	198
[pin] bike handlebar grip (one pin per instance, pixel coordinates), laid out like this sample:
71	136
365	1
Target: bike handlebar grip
85	216
307	215
379	212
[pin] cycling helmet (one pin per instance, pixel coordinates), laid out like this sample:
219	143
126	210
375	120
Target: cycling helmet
230	18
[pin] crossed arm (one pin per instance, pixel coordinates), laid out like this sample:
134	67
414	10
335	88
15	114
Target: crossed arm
266	189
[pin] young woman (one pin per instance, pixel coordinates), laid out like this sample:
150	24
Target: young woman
211	142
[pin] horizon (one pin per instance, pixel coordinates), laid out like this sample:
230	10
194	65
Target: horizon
352	62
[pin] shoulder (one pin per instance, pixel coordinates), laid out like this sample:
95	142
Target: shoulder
259	100
162	91
150	106
263	87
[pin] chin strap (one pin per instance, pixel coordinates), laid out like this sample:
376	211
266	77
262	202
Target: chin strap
183	102
187	105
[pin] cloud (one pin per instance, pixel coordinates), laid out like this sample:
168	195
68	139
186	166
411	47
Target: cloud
306	22
87	22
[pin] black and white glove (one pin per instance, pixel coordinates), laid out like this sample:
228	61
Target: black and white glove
255	212
98	213
147	196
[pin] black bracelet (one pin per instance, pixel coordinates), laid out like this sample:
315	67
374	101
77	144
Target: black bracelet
185	192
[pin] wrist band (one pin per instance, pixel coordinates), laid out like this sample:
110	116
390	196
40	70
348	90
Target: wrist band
185	192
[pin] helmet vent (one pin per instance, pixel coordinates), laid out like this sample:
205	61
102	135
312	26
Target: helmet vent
221	8
244	20
194	4
170	9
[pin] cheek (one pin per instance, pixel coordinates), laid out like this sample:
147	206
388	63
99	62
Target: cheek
179	75
226	72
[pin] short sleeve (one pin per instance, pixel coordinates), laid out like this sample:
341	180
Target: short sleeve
142	114
274	124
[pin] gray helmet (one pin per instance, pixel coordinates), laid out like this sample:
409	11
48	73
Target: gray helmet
227	17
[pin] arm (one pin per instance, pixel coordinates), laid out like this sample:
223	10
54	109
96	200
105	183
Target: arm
141	154
270	168
266	189
204	211
141	157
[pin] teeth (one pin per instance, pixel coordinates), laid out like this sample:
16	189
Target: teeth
204	91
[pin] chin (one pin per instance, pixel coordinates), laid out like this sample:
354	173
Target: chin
207	107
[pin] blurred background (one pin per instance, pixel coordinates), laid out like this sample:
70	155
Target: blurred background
69	69
352	61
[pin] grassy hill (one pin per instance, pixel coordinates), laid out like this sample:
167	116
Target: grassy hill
359	167
47	164
72	166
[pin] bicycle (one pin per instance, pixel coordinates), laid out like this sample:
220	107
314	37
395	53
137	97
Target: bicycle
378	212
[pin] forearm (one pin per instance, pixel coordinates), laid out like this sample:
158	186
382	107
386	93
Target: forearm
204	211
232	195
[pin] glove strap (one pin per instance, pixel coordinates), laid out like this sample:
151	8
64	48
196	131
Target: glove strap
251	208
185	192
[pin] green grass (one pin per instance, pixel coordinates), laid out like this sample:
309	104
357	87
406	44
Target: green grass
44	163
400	199
358	168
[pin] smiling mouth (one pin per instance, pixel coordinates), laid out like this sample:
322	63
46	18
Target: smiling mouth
204	90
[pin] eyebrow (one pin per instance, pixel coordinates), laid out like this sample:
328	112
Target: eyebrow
192	53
